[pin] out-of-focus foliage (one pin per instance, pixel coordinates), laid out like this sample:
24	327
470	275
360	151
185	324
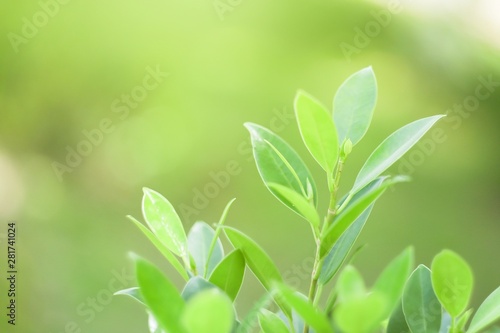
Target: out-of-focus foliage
155	93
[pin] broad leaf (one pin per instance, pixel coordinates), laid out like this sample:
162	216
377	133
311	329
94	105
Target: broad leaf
347	216
161	247
339	252
397	322
194	286
420	305
487	314
452	281
208	312
134	293
392	281
298	203
200	238
278	163
228	275
392	149
353	105
164	222
361	314
258	261
311	315
350	285
160	295
317	130
271	323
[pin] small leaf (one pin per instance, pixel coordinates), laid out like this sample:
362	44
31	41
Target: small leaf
340	250
361	314
164	222
420	305
257	260
271	323
350	285
311	315
298	203
134	293
347	216
160	295
397	322
199	241
208	312
228	275
317	130
278	163
248	322
464	319
353	105
392	149
194	286
487	314
392	281
452	281
161	247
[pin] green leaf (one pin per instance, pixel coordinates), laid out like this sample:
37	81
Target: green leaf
445	323
298	203
352	211
397	322
311	315
317	130
248	322
361	314
271	323
420	305
161	247
353	105
392	149
464	319
392	281
199	241
278	163
160	295
350	285
487	314
340	250
258	261
452	281
164	222
208	312
228	275
194	286
134	293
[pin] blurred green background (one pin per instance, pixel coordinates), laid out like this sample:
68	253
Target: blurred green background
67	67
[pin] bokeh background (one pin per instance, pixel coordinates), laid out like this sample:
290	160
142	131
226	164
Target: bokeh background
66	68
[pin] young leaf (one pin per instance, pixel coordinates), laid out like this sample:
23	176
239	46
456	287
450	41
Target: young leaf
397	322
194	286
452	281
362	314
487	314
228	275
317	130
464	319
278	163
160	295
164	222
420	305
311	315
338	254
347	216
199	241
353	105
134	293
258	261
208	312
161	247
350	285
392	281
248	322
298	203
271	323
392	149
